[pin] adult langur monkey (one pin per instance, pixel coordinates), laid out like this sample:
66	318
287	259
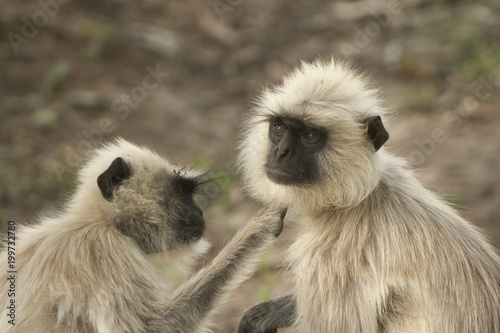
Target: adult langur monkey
86	270
377	251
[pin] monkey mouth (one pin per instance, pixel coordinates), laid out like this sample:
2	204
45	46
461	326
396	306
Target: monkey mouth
193	233
279	176
279	172
282	177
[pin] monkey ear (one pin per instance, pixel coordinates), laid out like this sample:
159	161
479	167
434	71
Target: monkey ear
114	175
377	133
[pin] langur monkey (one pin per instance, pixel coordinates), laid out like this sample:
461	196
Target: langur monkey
376	250
86	270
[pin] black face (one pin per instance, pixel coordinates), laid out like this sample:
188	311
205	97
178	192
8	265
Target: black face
292	155
183	226
191	222
182	221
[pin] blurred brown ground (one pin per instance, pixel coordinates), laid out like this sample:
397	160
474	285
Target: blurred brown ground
76	74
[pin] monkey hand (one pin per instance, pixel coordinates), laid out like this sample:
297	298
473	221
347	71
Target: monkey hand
267	316
254	321
271	217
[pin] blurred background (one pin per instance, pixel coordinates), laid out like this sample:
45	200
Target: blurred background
179	76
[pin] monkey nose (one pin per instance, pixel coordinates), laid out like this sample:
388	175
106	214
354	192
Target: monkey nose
194	219
194	226
283	152
286	146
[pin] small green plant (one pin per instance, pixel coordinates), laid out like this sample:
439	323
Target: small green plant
56	74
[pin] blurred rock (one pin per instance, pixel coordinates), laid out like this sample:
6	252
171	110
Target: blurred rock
448	100
248	54
157	39
355	10
392	55
45	117
86	98
481	13
217	29
319	23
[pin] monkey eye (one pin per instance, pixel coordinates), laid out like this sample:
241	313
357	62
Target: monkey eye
279	128
311	137
179	192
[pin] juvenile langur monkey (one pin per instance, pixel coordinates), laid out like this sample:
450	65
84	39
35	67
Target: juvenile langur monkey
376	251
86	270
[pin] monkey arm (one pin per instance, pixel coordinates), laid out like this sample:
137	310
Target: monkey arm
194	301
267	316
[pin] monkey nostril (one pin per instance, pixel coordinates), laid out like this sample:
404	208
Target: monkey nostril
283	152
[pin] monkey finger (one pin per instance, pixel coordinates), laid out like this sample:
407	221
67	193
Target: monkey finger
270	217
277	224
279	228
